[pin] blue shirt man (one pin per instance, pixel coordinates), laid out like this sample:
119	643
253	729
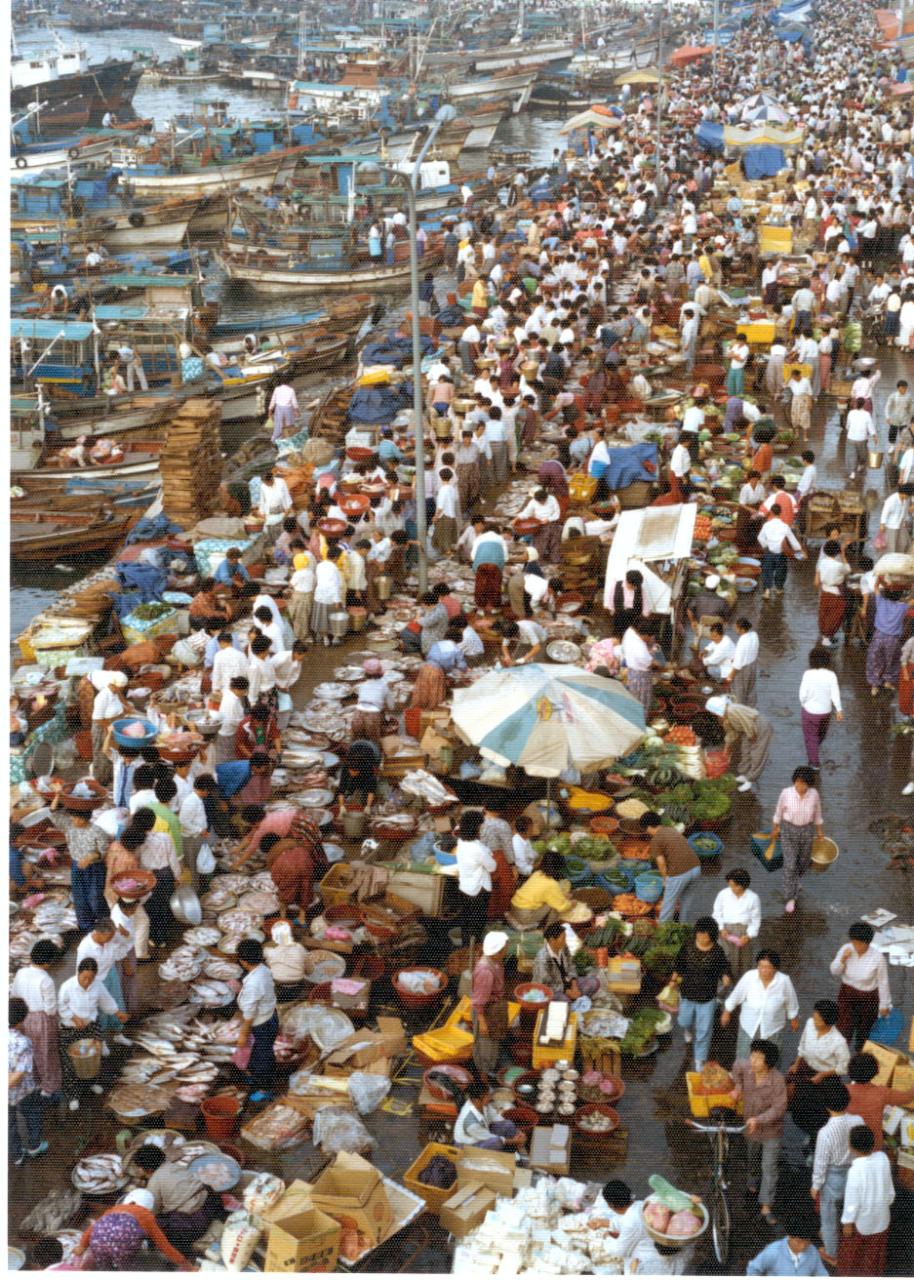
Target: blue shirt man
388	451
230	570
447	655
792	1256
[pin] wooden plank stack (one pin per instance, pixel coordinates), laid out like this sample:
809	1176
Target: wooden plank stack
191	463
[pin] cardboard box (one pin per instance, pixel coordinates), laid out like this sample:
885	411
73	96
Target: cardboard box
304	1241
426	891
888	1060
466	1208
623	976
363	1048
903	1076
493	1169
550	1148
351	1191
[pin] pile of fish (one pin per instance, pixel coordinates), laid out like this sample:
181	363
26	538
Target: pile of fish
99	1175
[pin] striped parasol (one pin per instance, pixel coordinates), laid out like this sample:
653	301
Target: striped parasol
546	718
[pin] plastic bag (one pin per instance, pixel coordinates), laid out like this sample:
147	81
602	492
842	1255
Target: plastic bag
239	1240
206	860
336	1129
262	1192
242	1055
669	998
367	1091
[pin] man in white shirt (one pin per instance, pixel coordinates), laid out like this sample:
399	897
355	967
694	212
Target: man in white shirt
284	408
275	501
626	1216
893	523
772	538
831	1162
680	466
228	663
860	434
719	653
740	672
257	1006
868	1197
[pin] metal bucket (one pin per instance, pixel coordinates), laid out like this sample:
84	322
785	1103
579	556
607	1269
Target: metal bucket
874	459
383	585
354	823
358	616
339	623
86	1057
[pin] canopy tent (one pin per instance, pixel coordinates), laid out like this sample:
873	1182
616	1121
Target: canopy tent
689	53
645	76
646	536
547	718
595	117
761	136
710	136
761	107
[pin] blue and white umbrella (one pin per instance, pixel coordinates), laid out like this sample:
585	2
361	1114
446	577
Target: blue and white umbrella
547	718
761	108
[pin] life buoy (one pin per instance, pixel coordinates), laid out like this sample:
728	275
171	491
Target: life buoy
73	153
136	219
21	162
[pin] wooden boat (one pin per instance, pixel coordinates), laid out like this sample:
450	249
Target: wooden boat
39	536
140	460
258	173
283	273
306	350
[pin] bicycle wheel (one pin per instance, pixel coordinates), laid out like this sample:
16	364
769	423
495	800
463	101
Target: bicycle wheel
720	1224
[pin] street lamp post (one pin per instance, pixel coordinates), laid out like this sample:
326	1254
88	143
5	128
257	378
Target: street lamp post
410	183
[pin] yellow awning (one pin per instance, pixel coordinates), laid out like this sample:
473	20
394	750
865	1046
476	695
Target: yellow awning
647	76
762	135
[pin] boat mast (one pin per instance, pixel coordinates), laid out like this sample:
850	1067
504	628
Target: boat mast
520	20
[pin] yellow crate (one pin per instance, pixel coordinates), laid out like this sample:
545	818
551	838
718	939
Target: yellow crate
434	1197
700	1105
547	1056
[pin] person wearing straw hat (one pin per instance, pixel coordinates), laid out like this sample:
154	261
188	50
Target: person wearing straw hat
489	1005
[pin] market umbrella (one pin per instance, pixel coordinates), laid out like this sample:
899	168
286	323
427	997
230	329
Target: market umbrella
546	718
597	116
761	106
687	53
645	76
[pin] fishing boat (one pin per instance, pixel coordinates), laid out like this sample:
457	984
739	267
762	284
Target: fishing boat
72	91
517	87
342	315
38	536
62	153
333	265
306	350
189	176
140	460
525	54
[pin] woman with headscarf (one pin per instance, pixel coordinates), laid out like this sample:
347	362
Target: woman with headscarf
748	735
286	961
113	1242
108	705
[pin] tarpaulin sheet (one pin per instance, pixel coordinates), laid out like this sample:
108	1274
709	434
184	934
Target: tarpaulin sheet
152	529
379	404
710	136
763	162
394	350
149	581
626	465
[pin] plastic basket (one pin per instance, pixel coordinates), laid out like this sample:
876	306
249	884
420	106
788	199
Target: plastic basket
434	1197
759	843
700	1105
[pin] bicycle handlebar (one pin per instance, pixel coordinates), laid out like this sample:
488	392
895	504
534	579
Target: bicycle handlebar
718	1127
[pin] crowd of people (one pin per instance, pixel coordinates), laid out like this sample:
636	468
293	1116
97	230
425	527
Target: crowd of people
527	393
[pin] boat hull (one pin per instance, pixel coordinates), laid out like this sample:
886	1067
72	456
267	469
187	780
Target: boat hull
276	281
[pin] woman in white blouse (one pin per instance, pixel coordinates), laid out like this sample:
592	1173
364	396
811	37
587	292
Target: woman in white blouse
475	864
819	695
766	1000
738	912
821	1053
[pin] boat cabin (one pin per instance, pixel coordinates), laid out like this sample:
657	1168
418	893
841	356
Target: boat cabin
61	355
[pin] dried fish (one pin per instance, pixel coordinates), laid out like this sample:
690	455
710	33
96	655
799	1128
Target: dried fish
51	1212
226	970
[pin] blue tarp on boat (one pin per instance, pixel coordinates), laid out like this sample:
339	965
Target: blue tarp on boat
763	162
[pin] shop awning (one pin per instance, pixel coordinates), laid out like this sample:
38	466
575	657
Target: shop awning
688	53
650	535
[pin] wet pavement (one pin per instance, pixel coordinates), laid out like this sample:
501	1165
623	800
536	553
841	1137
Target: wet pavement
864	769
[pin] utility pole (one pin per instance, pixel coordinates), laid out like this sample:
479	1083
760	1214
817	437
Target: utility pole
716	36
659	101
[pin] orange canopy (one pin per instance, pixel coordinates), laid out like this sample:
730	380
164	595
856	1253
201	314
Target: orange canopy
687	53
887	20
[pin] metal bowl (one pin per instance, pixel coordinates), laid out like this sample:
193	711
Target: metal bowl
185	905
563	651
